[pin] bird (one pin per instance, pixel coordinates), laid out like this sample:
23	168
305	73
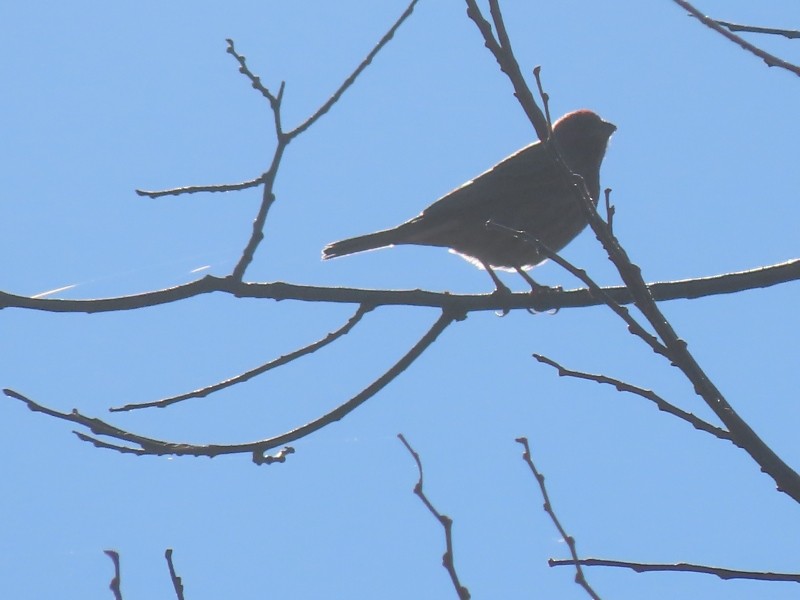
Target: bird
526	192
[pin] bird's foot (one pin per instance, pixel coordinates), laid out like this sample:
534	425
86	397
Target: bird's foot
502	293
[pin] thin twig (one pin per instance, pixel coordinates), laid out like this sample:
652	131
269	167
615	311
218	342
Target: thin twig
351	79
194	189
787	33
275	100
177	583
278	362
114	586
720	572
152	446
610	210
448	559
255	80
770	59
580	579
508	63
650	395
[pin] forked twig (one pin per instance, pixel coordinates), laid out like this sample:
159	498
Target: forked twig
770	59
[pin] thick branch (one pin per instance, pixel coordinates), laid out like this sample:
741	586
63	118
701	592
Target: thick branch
786	478
728	283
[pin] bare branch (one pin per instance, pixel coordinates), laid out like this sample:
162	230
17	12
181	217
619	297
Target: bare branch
508	63
610	210
787	33
351	79
177	584
595	290
727	283
255	80
786	478
771	60
278	362
448	560
157	447
114	586
267	199
580	579
720	572
622	386
194	189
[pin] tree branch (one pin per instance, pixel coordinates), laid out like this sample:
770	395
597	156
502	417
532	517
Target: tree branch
770	59
148	445
278	362
448	560
720	572
728	283
580	579
351	79
622	386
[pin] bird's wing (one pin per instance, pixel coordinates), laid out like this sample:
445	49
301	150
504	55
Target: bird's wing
520	174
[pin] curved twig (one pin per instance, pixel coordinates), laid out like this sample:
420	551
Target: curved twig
148	445
280	361
114	586
448	559
650	395
351	79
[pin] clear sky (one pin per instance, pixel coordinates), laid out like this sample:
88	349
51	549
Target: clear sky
100	99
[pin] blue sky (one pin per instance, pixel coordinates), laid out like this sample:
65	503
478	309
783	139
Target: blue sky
99	101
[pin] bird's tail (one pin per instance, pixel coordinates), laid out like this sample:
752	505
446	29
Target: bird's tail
362	243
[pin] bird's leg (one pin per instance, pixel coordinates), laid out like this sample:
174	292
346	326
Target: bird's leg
534	286
501	287
502	290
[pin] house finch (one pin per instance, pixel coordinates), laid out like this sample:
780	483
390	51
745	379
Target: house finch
525	192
